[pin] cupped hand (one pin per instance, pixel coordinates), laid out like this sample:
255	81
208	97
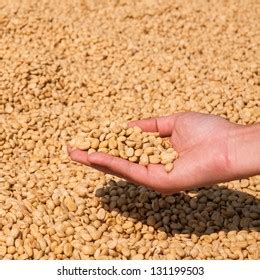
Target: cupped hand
201	140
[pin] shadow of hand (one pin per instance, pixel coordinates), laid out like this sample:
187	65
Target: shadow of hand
201	211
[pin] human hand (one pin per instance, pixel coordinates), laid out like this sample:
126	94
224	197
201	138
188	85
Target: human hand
203	144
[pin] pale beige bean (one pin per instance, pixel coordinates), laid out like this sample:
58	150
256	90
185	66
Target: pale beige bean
149	151
154	159
144	160
129	152
138	152
94	143
168	167
68	249
103	144
70	204
88	250
85	145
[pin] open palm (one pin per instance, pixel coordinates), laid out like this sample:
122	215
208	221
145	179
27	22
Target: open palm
201	140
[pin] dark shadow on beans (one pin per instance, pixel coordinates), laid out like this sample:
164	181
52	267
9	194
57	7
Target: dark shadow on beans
201	211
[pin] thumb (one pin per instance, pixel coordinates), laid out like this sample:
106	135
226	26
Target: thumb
164	125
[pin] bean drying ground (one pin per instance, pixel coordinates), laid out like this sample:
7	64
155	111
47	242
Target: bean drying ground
65	65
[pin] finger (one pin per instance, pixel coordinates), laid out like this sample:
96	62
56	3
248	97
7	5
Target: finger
103	169
153	177
79	156
82	157
122	168
163	125
111	165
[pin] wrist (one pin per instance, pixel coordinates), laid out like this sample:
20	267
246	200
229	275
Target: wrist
244	150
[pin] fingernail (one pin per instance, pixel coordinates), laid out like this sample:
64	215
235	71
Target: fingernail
69	149
130	123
